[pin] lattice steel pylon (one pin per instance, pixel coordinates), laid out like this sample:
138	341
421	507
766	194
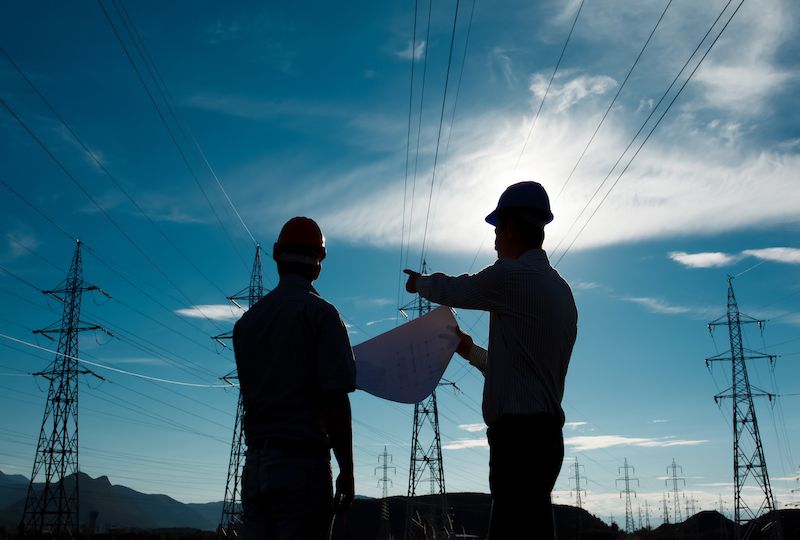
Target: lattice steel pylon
627	480
749	464
385	532
53	509
230	523
576	477
672	470
435	516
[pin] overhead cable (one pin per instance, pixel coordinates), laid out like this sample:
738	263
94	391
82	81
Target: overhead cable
553	76
610	105
650	133
171	134
116	370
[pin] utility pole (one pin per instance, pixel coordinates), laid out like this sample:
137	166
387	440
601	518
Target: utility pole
426	457
52	510
231	521
676	492
576	477
385	532
749	464
627	481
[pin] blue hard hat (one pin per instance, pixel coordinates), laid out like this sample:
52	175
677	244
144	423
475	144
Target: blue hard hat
523	195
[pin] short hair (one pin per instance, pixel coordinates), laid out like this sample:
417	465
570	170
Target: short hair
530	224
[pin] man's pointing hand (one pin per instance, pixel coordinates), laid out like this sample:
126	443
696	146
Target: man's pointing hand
411	284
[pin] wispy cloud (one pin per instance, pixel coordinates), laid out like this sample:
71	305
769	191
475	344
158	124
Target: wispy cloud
411	50
710	259
472	428
216	312
786	255
379	321
19	242
658	421
584	285
260	109
573	426
501	60
658	305
776	254
462	444
584	443
572	91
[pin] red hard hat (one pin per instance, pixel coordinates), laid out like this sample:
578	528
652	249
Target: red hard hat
300	237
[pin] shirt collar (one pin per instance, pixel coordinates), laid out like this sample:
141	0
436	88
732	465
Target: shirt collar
534	256
295	280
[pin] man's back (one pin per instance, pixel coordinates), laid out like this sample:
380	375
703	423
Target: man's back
291	350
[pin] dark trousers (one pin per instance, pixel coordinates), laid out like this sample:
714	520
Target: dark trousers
286	495
525	455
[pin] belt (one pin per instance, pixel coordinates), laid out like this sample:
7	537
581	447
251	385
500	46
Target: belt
264	443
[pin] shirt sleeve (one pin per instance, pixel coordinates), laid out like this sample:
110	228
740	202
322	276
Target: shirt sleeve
477	357
336	368
483	290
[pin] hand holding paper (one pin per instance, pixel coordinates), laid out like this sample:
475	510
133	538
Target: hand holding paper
406	363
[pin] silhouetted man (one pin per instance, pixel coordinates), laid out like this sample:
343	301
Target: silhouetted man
532	329
295	369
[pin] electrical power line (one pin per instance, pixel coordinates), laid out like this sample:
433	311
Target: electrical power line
647	137
547	91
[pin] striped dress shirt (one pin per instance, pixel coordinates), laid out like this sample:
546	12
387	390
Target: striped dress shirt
532	329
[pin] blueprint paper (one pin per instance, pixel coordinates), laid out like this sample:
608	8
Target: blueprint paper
406	363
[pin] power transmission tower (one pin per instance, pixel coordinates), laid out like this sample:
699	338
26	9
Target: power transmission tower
426	457
53	509
665	508
641	523
384	481
627	480
749	464
577	479
647	515
230	523
676	492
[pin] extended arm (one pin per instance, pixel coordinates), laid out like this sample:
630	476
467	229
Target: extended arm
484	290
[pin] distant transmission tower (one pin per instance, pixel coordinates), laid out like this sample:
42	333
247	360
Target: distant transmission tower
384	481
230	524
749	464
665	508
627	480
674	479
647	515
52	509
434	517
576	477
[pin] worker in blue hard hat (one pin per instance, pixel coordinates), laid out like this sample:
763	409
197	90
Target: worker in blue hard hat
295	368
532	329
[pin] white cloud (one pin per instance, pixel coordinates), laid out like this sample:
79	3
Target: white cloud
472	428
657	305
216	312
379	321
703	260
570	92
713	259
417	51
462	444
502	60
776	254
584	443
572	426
20	242
584	285
658	421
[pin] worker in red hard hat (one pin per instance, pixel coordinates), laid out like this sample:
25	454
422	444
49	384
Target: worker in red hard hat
532	329
295	368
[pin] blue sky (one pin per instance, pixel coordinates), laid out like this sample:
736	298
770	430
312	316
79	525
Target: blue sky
306	112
